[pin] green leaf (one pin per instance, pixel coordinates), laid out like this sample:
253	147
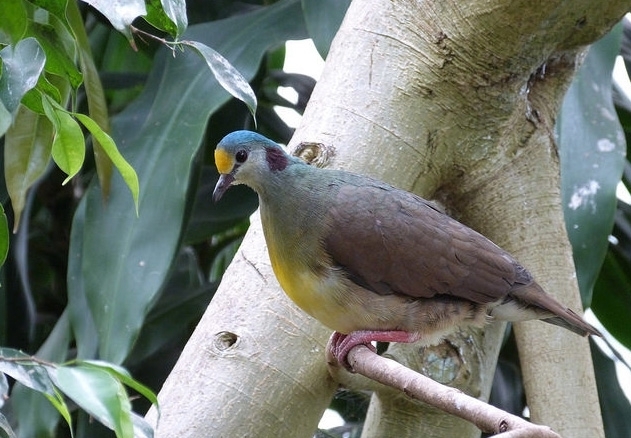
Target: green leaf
180	306
127	172
122	375
56	7
176	11
60	405
120	13
159	134
5	428
142	428
82	321
99	394
168	15
25	370
37	414
33	98
4	236
95	95
592	148
27	150
68	149
68	145
58	61
614	404
228	76
4	389
612	296
323	19
14	21
5	119
22	65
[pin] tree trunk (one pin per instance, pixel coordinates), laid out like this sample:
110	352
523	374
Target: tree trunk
455	101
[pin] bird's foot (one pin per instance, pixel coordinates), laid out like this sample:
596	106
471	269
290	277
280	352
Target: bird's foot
340	344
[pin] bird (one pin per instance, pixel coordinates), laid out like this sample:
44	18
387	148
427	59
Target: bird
373	262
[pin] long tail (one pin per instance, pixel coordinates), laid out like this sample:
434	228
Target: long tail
553	312
575	324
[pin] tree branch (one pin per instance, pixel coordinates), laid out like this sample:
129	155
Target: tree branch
451	400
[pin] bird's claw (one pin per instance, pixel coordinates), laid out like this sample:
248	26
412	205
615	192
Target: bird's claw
340	345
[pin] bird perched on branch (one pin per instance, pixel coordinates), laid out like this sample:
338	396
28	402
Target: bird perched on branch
373	262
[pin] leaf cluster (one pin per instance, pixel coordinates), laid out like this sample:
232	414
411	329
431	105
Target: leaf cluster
91	283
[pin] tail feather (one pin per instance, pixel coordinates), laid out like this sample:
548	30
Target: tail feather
533	297
574	323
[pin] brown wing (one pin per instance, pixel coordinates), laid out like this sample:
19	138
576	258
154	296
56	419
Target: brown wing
391	241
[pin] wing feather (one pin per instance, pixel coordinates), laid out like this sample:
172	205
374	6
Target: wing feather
391	241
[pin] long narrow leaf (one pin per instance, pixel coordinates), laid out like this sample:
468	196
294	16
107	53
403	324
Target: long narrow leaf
97	106
109	147
27	149
123	376
592	147
5	427
38	413
228	76
100	394
124	257
4	389
4	236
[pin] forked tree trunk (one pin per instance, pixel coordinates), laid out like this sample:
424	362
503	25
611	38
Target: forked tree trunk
456	101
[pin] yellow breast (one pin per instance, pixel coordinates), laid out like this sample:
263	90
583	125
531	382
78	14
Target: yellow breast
298	282
319	295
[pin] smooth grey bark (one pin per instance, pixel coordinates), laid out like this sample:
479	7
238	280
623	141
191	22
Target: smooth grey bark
449	99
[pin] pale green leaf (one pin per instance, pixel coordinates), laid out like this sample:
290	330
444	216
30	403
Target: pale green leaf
26	370
22	65
98	393
97	106
109	147
229	77
121	13
4	389
161	19
68	149
27	148
122	375
5	428
37	414
4	236
60	404
5	119
592	150
176	11
33	98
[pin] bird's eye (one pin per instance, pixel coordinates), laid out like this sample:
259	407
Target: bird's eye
241	156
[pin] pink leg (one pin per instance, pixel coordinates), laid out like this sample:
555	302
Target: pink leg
340	344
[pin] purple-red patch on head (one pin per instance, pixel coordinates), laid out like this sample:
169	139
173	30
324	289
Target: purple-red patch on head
276	159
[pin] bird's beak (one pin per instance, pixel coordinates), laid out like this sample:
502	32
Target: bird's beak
225	180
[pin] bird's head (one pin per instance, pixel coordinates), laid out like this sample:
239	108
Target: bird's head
245	157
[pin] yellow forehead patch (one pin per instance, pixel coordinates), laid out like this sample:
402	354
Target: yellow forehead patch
224	161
